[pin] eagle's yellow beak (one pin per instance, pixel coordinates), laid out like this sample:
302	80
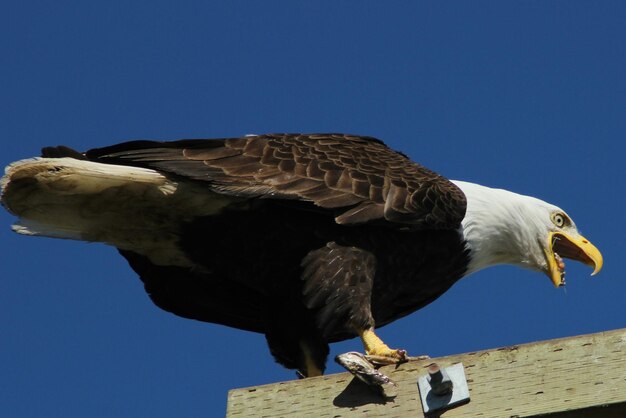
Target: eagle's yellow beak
562	245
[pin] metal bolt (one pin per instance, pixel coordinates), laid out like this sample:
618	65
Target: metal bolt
440	382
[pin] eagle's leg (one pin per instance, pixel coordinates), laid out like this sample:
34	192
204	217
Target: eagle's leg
293	338
338	282
298	348
378	351
310	367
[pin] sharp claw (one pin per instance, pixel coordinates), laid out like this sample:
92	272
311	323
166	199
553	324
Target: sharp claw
393	357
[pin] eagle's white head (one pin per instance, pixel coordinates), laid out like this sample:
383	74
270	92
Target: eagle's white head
503	227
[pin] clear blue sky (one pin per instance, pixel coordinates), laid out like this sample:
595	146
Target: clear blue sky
528	96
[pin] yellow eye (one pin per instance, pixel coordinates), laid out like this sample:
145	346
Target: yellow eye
558	219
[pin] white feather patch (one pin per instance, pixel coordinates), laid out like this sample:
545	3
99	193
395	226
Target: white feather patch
131	208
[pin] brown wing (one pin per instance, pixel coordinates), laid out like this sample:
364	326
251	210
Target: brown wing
358	177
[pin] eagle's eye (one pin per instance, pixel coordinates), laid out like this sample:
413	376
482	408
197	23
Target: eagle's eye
558	219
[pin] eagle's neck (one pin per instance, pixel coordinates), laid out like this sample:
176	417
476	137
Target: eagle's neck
496	228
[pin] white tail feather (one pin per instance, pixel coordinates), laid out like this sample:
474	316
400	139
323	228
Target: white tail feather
131	208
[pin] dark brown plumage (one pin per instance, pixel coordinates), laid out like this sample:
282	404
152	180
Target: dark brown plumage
287	259
322	237
359	177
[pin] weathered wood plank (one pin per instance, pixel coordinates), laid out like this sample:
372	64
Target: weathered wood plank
585	375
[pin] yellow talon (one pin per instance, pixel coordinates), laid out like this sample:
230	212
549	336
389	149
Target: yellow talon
378	351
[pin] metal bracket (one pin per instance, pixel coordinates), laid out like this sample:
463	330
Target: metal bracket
442	389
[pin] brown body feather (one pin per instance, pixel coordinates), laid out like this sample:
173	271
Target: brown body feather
359	176
326	235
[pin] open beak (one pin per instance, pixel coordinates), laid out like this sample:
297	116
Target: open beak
562	245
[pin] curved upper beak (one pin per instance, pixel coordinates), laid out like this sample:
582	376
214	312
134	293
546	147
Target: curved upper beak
575	247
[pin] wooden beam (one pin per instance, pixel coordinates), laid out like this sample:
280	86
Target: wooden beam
582	376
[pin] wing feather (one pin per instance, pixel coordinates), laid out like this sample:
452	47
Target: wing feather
360	178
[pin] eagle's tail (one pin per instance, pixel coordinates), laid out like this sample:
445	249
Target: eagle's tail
129	207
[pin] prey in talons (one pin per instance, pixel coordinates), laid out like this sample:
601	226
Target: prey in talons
360	366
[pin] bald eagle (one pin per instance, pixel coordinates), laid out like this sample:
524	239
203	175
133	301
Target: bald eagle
306	238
